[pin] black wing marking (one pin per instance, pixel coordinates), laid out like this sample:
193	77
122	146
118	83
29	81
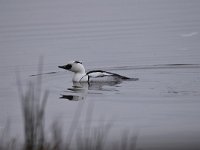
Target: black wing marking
94	71
106	73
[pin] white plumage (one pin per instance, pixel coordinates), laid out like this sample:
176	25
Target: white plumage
92	76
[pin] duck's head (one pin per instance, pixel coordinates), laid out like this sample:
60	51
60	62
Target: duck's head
74	66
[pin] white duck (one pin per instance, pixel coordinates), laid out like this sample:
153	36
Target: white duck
92	76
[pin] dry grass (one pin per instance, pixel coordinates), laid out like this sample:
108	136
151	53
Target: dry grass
33	104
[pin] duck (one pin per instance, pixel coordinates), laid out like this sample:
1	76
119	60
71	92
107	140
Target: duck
80	75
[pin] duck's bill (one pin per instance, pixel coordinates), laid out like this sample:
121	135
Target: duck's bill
63	67
66	67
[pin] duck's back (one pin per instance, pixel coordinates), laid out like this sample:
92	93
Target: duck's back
104	76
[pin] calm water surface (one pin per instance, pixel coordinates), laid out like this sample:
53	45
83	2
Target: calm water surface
156	41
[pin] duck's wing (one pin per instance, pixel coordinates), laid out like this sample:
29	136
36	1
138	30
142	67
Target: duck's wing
100	73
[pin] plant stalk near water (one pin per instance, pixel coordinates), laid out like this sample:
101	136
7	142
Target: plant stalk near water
33	103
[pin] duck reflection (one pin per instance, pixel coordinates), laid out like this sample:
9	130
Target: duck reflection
79	91
72	97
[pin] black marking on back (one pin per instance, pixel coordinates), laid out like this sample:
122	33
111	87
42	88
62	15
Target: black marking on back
93	71
112	74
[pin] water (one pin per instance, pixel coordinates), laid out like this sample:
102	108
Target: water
156	41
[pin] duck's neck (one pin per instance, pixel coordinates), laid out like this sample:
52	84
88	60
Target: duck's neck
81	76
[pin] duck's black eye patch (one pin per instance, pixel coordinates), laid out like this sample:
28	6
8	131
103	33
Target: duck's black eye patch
78	62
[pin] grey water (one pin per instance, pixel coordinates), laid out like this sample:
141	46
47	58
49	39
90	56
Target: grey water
155	41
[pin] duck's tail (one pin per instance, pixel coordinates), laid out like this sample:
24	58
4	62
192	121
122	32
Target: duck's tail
129	79
126	78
